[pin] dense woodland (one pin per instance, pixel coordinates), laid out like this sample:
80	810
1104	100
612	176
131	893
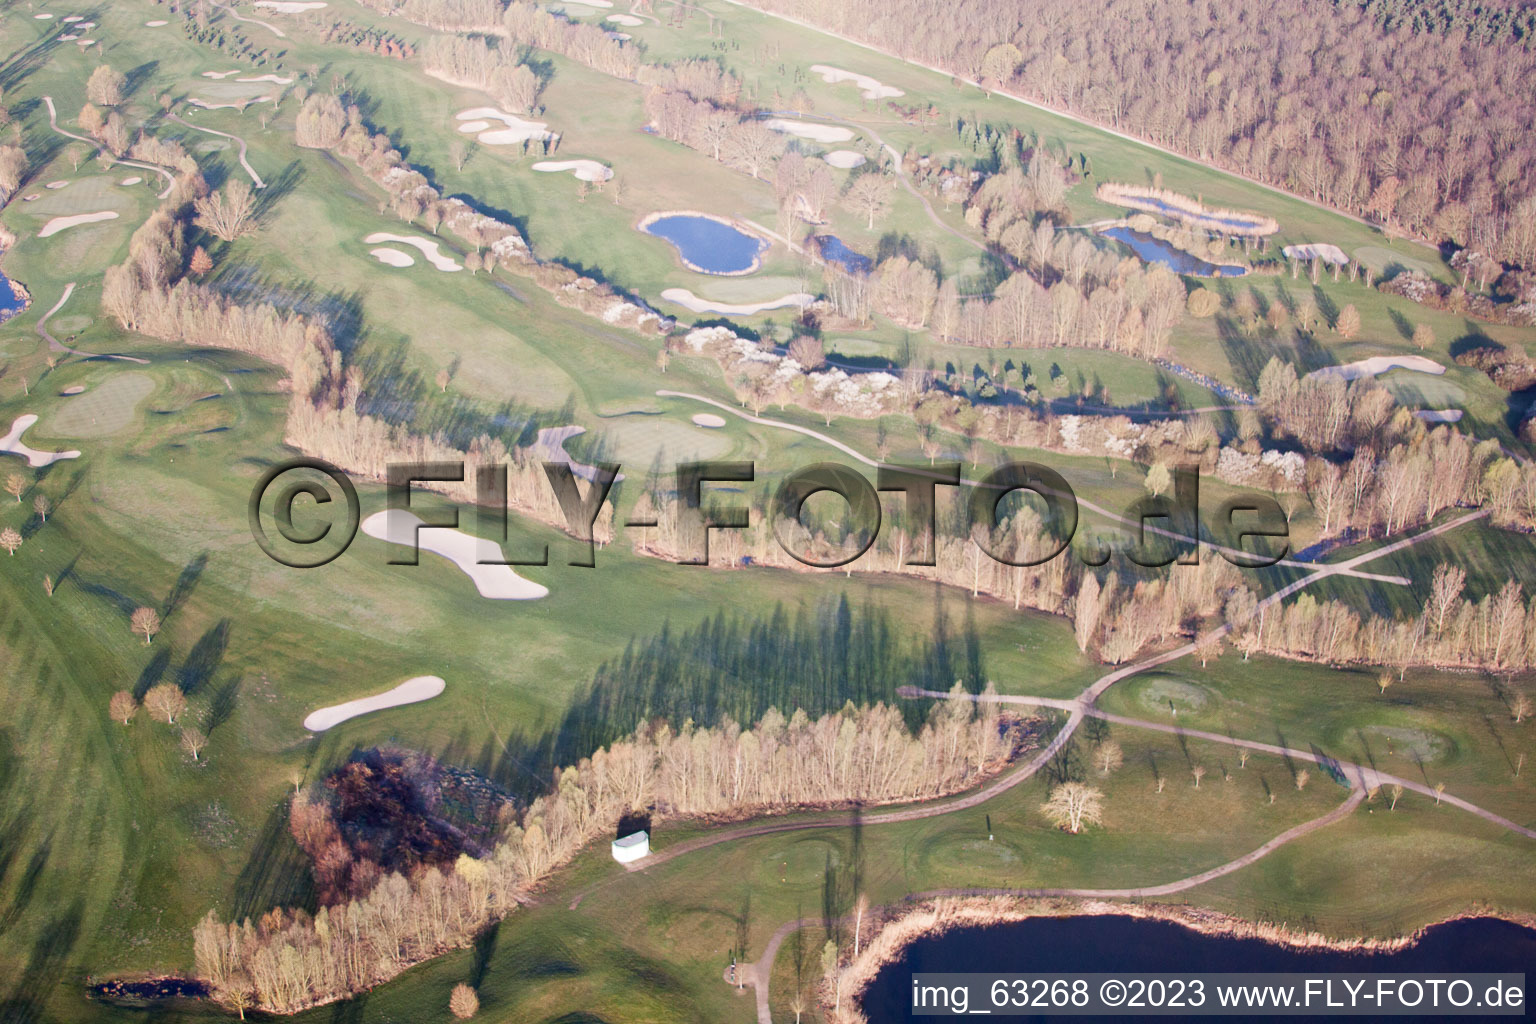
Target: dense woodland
1428	132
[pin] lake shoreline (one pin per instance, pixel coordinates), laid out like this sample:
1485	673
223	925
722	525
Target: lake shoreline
644	225
935	916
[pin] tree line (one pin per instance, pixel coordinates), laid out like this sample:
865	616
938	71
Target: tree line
290	959
1427	133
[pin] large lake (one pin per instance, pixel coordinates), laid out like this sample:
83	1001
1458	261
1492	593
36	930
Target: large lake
1117	943
1155	250
708	246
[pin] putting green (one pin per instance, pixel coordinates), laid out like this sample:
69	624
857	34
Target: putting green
856	347
104	409
750	289
1415	744
636	440
1157	692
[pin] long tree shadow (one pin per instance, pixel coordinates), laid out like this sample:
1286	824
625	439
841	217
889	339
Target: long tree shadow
204	659
276	873
152	672
186	582
45	968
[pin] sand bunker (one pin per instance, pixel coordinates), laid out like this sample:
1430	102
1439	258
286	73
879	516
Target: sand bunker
1380	364
586	170
844	158
871	88
412	691
516	132
42	17
1440	415
290	6
31	197
228	106
86	25
220	74
132	179
156	24
58	224
73	18
807	130
278	79
625	19
498	582
428	249
1316	250
12	443
709	420
685	298
74	389
68	37
56	184
469	127
392	257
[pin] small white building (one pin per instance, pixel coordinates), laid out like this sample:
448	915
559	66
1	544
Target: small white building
631	847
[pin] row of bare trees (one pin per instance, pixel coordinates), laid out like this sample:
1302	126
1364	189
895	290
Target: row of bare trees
289	960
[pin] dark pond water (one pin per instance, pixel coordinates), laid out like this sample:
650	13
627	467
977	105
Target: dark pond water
833	250
1147	203
1155	250
10	303
1117	943
707	245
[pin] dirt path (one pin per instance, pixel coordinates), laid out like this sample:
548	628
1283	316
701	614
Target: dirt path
55	345
53	122
256	178
759	973
252	21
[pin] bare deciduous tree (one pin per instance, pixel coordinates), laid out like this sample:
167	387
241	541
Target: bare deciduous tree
145	621
105	88
869	195
16	486
122	706
1397	794
1108	757
227	214
463	1003
1073	805
192	740
42	506
1302	778
165	701
10	540
1198	771
1520	706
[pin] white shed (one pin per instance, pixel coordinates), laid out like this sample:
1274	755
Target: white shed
631	847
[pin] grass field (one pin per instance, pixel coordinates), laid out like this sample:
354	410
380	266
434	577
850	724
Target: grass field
113	841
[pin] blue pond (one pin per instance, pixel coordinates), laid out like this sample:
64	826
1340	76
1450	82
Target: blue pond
10	302
1155	250
833	250
708	246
